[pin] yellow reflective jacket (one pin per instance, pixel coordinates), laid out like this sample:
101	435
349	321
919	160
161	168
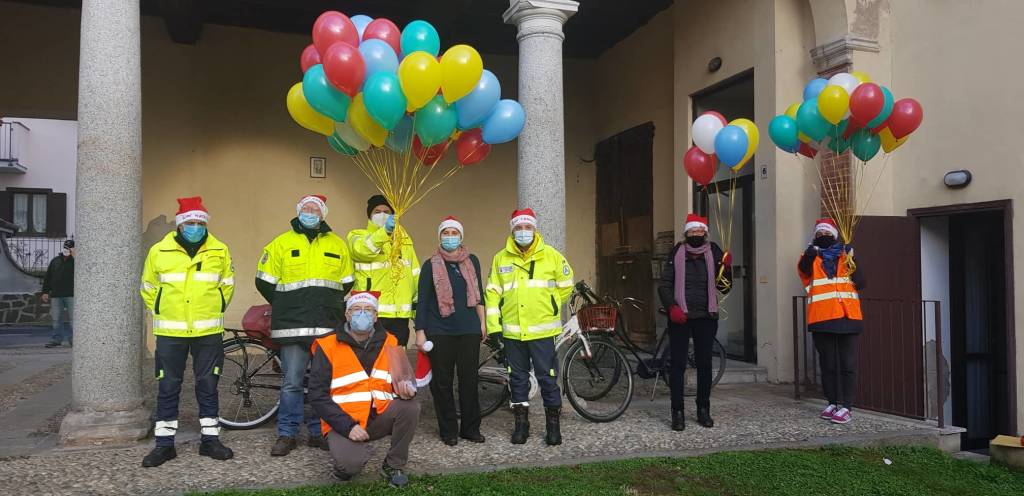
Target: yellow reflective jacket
186	295
526	290
305	283
371	254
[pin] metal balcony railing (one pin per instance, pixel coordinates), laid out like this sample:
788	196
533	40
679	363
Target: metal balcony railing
12	135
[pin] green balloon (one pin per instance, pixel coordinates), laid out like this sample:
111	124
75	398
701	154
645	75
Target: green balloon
810	121
865	145
340	146
435	122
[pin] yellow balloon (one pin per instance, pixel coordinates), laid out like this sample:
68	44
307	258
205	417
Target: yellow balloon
753	138
861	76
889	142
833	102
361	121
419	74
304	115
792	109
461	67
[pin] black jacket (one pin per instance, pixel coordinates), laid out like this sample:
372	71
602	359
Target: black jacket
428	315
696	283
835	326
59	281
320	377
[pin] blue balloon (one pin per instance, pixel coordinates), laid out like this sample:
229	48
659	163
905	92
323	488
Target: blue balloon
420	36
505	123
814	87
400	137
479	103
323	96
361	21
731	145
378	56
384	100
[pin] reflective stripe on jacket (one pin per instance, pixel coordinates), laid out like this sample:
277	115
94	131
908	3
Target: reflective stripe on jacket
371	256
355	391
831	298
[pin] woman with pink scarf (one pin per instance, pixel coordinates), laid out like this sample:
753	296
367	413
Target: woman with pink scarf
450	313
688	292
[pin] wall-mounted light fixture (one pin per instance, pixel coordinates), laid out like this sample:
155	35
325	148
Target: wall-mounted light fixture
714	64
957	179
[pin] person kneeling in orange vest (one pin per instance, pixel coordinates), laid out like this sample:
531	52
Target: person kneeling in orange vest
351	389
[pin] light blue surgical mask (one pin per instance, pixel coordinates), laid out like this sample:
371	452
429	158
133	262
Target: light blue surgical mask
451	243
523	238
362	321
309	221
193	233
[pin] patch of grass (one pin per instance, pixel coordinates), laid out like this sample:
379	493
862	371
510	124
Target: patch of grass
824	471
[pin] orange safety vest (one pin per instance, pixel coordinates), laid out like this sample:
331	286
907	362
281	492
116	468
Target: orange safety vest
351	388
829	299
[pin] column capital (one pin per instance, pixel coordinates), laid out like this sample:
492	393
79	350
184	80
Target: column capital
839	53
540	17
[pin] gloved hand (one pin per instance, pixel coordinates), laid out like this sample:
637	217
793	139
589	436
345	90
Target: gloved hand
811	251
676	315
390	224
727	260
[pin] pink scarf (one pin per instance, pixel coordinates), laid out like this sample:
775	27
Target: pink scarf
443	285
680	286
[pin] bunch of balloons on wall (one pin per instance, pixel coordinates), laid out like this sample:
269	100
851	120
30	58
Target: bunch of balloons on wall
715	140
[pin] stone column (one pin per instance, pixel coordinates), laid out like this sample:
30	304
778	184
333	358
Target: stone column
107	392
542	143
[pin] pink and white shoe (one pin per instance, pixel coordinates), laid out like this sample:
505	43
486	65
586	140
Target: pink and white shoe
842	416
828	412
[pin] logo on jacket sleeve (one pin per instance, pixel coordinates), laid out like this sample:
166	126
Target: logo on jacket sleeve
263	260
565	268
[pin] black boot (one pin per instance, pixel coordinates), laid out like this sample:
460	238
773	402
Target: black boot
704	417
522	429
159	455
552	424
214	449
678	420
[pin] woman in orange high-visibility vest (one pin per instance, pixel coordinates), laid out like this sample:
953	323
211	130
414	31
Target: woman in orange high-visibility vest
833	315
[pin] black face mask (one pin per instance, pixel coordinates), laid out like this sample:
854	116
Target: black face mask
824	241
696	241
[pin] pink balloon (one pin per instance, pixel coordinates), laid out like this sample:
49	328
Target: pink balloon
386	31
333	27
345	68
309	58
716	114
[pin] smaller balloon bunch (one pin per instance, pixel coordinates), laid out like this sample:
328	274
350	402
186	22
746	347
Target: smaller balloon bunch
846	112
731	142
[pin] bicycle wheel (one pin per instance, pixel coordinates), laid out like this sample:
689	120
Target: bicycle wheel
492	383
604	370
719	360
250	384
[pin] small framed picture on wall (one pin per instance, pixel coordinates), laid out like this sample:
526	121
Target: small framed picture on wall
318	167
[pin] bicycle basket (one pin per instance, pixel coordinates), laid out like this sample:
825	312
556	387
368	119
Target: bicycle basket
597	318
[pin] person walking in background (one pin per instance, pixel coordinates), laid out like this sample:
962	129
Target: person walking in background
372	254
689	283
451	315
59	292
834	315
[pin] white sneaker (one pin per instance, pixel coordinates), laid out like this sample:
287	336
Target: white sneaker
842	416
828	412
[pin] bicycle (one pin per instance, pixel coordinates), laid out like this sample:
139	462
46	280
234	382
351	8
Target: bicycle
250	380
592	365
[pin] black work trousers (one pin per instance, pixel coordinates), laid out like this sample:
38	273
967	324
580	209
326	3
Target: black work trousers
837	355
207	361
455	356
542	356
703	333
398	327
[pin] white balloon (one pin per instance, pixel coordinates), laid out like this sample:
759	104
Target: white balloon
846	81
705	128
350	136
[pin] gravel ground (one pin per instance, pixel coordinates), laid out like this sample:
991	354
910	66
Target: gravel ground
746	415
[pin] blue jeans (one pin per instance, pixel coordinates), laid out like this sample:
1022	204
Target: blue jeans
61	310
294	361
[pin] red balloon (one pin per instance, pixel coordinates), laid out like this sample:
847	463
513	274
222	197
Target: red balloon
333	27
345	68
716	114
852	126
429	156
309	58
906	117
699	165
470	147
385	30
866	102
807	150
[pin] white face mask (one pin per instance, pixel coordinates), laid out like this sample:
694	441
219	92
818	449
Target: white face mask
380	218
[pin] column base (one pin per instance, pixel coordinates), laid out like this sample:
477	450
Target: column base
85	427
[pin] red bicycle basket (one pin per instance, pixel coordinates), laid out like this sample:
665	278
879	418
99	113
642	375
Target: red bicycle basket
597	318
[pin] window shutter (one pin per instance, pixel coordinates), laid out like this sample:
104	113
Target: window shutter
56	215
6	210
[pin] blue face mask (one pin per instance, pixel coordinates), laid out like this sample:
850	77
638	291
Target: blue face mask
523	238
451	243
362	321
193	233
309	221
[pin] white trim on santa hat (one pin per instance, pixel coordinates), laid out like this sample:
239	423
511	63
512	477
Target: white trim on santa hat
823	226
694	225
450	222
314	200
191	215
522	219
361	297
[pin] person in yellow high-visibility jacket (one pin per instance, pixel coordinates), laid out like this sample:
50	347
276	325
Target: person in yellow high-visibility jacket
187	283
529	283
371	250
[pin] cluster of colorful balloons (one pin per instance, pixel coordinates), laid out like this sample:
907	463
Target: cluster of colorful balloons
715	139
846	112
368	84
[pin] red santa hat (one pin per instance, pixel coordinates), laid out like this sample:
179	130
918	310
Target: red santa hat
318	200
524	216
356	297
450	222
191	209
423	374
826	225
694	221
